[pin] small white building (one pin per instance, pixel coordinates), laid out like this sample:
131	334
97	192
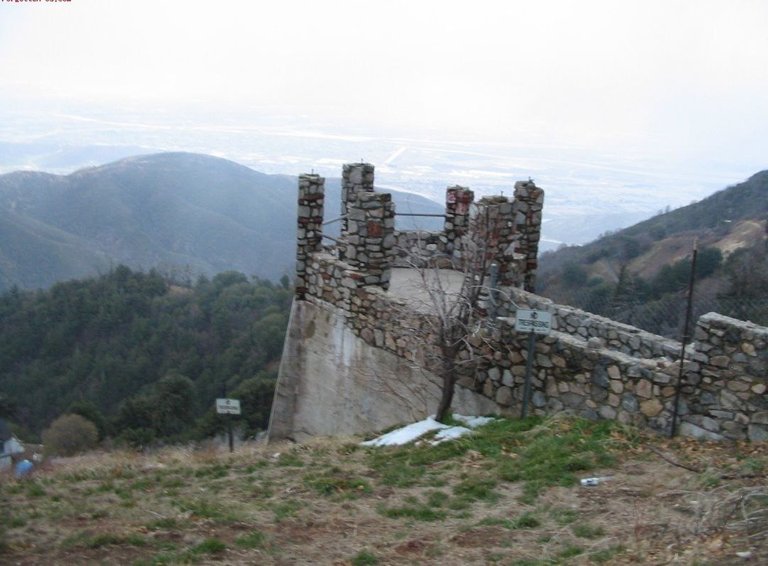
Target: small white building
9	446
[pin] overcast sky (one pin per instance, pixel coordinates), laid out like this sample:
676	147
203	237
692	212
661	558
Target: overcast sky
690	75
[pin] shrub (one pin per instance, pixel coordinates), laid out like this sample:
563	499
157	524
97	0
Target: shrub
69	435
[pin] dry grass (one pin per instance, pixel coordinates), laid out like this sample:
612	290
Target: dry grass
332	502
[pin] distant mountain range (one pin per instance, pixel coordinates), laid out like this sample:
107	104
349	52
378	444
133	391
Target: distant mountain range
730	219
173	211
630	272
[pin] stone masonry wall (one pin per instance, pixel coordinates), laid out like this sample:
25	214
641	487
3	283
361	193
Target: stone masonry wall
589	365
509	230
368	244
355	178
575	374
446	244
726	385
601	331
529	206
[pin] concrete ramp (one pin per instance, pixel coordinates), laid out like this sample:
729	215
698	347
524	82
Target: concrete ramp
333	383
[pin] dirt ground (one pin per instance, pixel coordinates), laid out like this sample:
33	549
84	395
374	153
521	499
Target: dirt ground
664	502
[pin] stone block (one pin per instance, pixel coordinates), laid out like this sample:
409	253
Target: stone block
554	405
629	403
748	349
738	385
600	377
729	400
760	418
757	432
690	429
544	361
732	427
607	412
661	378
572	400
651	408
504	396
644	389
667	391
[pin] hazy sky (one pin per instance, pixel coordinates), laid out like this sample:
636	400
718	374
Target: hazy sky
690	75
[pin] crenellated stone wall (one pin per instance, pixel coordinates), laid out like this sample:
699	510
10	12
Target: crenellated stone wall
416	246
529	207
356	178
589	365
310	226
507	231
368	243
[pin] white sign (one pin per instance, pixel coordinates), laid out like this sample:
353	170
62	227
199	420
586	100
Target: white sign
228	406
529	320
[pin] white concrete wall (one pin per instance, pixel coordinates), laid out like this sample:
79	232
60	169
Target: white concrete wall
332	383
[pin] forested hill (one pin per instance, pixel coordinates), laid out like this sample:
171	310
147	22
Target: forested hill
637	275
141	356
170	211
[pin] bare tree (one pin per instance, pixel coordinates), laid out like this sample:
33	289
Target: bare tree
453	295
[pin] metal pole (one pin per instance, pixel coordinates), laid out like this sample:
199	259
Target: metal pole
685	340
228	417
494	292
331	238
419	214
528	369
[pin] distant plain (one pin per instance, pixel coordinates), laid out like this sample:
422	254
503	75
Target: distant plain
589	190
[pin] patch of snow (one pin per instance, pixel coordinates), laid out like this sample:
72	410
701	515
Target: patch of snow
473	422
406	434
450	434
411	432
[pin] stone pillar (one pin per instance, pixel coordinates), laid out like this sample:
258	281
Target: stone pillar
493	230
529	203
457	204
370	240
310	227
356	178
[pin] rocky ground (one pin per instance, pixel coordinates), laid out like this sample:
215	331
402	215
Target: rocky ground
510	494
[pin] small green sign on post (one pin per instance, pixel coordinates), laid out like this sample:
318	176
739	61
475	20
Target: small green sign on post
229	407
534	322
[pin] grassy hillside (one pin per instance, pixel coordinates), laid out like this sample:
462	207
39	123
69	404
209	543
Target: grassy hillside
510	495
174	211
639	274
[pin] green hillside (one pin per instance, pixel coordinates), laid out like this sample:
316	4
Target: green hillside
121	347
177	212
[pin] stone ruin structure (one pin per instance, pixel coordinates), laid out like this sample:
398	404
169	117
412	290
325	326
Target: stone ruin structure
353	364
369	246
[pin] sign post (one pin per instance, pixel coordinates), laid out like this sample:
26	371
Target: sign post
228	407
534	322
